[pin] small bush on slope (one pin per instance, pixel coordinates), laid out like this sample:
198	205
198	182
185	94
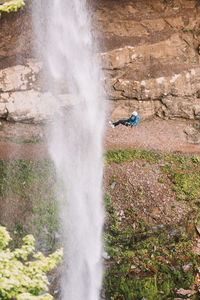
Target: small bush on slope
11	6
20	278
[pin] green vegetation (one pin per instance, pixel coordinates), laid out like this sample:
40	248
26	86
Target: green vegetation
29	188
146	264
192	31
143	261
22	141
20	278
11	6
120	156
183	172
146	261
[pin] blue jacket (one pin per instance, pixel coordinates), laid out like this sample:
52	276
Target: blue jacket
133	120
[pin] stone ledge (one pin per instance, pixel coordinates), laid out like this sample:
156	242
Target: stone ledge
19	77
32	106
183	84
170	48
180	107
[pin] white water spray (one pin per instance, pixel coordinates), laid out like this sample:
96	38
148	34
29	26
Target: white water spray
75	141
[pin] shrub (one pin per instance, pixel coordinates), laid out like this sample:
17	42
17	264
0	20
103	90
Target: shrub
20	278
12	5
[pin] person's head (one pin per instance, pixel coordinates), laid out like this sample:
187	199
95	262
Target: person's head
134	113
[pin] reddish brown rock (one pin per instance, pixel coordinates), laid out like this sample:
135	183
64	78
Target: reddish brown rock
148	50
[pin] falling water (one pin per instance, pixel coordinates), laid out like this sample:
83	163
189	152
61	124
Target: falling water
75	138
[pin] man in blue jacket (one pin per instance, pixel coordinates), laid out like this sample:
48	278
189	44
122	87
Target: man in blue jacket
132	121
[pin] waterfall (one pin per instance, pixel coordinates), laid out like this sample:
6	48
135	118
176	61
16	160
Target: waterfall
75	138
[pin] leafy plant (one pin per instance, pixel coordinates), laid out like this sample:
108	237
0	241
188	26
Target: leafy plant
11	6
196	159
20	278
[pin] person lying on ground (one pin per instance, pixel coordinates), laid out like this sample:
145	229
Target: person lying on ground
131	122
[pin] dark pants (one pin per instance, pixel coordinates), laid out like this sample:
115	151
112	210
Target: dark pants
123	122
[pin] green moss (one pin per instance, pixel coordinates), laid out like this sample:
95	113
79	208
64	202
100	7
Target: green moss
157	256
157	286
120	156
183	171
32	184
185	184
28	141
154	280
126	155
136	289
160	180
22	141
147	262
193	31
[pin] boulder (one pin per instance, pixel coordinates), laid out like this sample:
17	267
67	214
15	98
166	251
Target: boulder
19	77
180	107
197	111
181	84
193	134
32	106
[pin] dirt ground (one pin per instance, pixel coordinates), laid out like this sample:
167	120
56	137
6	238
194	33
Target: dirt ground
136	185
155	134
157	201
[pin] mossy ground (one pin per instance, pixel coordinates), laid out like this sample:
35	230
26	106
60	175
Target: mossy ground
28	200
148	261
144	260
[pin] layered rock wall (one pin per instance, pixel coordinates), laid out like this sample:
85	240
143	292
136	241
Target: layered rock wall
151	56
149	51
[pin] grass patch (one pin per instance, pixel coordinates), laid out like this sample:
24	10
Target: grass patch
120	156
142	263
148	262
145	262
28	187
183	171
20	141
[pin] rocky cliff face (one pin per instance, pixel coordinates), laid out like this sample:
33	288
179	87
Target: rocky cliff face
149	51
151	56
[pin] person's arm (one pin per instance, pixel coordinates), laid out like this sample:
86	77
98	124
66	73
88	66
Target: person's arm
131	119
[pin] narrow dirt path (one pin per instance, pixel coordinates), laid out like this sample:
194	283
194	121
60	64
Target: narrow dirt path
156	134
